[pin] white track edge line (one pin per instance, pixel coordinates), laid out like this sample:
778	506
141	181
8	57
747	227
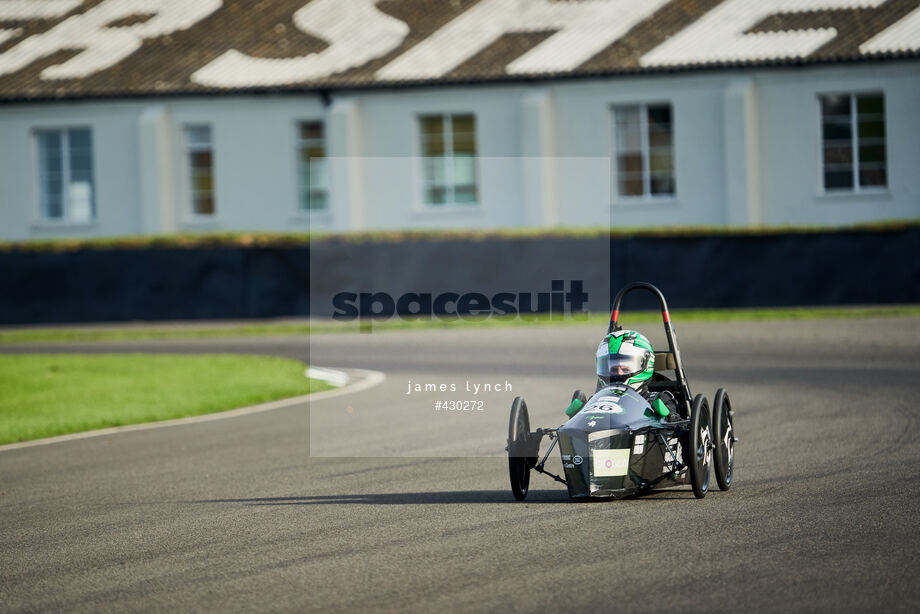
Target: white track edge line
362	379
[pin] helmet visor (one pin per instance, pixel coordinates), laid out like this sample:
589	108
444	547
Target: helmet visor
622	366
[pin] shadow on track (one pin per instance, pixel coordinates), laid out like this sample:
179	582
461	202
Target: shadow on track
433	498
404	498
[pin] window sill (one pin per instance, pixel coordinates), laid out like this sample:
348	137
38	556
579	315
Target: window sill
435	210
852	195
51	225
199	223
645	201
316	216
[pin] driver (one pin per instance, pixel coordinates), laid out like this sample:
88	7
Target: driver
626	357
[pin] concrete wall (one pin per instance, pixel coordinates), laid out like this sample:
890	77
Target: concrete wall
747	152
790	125
393	171
255	163
584	127
115	160
140	165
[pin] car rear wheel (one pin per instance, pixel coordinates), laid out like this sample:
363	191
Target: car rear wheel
723	427
519	463
701	445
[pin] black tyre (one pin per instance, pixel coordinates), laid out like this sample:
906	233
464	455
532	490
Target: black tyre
700	452
723	427
519	462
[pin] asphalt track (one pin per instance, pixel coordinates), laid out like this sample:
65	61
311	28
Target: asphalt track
244	513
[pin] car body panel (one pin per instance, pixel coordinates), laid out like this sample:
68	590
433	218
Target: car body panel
617	446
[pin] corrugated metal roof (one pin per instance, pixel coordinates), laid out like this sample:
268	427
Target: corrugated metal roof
91	48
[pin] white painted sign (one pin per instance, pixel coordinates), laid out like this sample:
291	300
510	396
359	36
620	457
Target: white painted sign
35	9
583	29
719	35
901	36
355	30
101	47
15	10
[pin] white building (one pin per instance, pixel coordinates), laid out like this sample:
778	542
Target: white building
162	116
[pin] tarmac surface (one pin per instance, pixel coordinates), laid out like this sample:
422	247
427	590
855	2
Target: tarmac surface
375	501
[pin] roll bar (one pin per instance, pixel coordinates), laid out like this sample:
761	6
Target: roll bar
668	331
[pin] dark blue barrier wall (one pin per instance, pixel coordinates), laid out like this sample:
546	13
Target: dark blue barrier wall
822	268
831	268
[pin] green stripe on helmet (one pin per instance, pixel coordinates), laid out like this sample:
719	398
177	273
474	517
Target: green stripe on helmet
645	375
642	342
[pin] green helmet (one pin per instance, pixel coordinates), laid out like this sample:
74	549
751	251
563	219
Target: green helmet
626	357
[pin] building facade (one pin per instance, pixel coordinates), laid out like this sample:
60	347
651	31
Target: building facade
497	114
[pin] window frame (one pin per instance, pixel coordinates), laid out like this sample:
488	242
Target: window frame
191	215
299	209
647	196
39	211
451	205
856	188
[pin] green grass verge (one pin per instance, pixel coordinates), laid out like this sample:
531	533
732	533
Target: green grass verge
165	332
42	395
294	239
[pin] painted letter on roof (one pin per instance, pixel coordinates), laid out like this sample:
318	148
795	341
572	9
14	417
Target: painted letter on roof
16	10
902	36
29	9
720	35
582	29
101	47
355	30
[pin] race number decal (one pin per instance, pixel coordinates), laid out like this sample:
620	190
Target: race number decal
611	404
610	463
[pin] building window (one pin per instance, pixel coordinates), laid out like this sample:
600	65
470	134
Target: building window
449	159
311	159
643	135
65	175
853	139
201	169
